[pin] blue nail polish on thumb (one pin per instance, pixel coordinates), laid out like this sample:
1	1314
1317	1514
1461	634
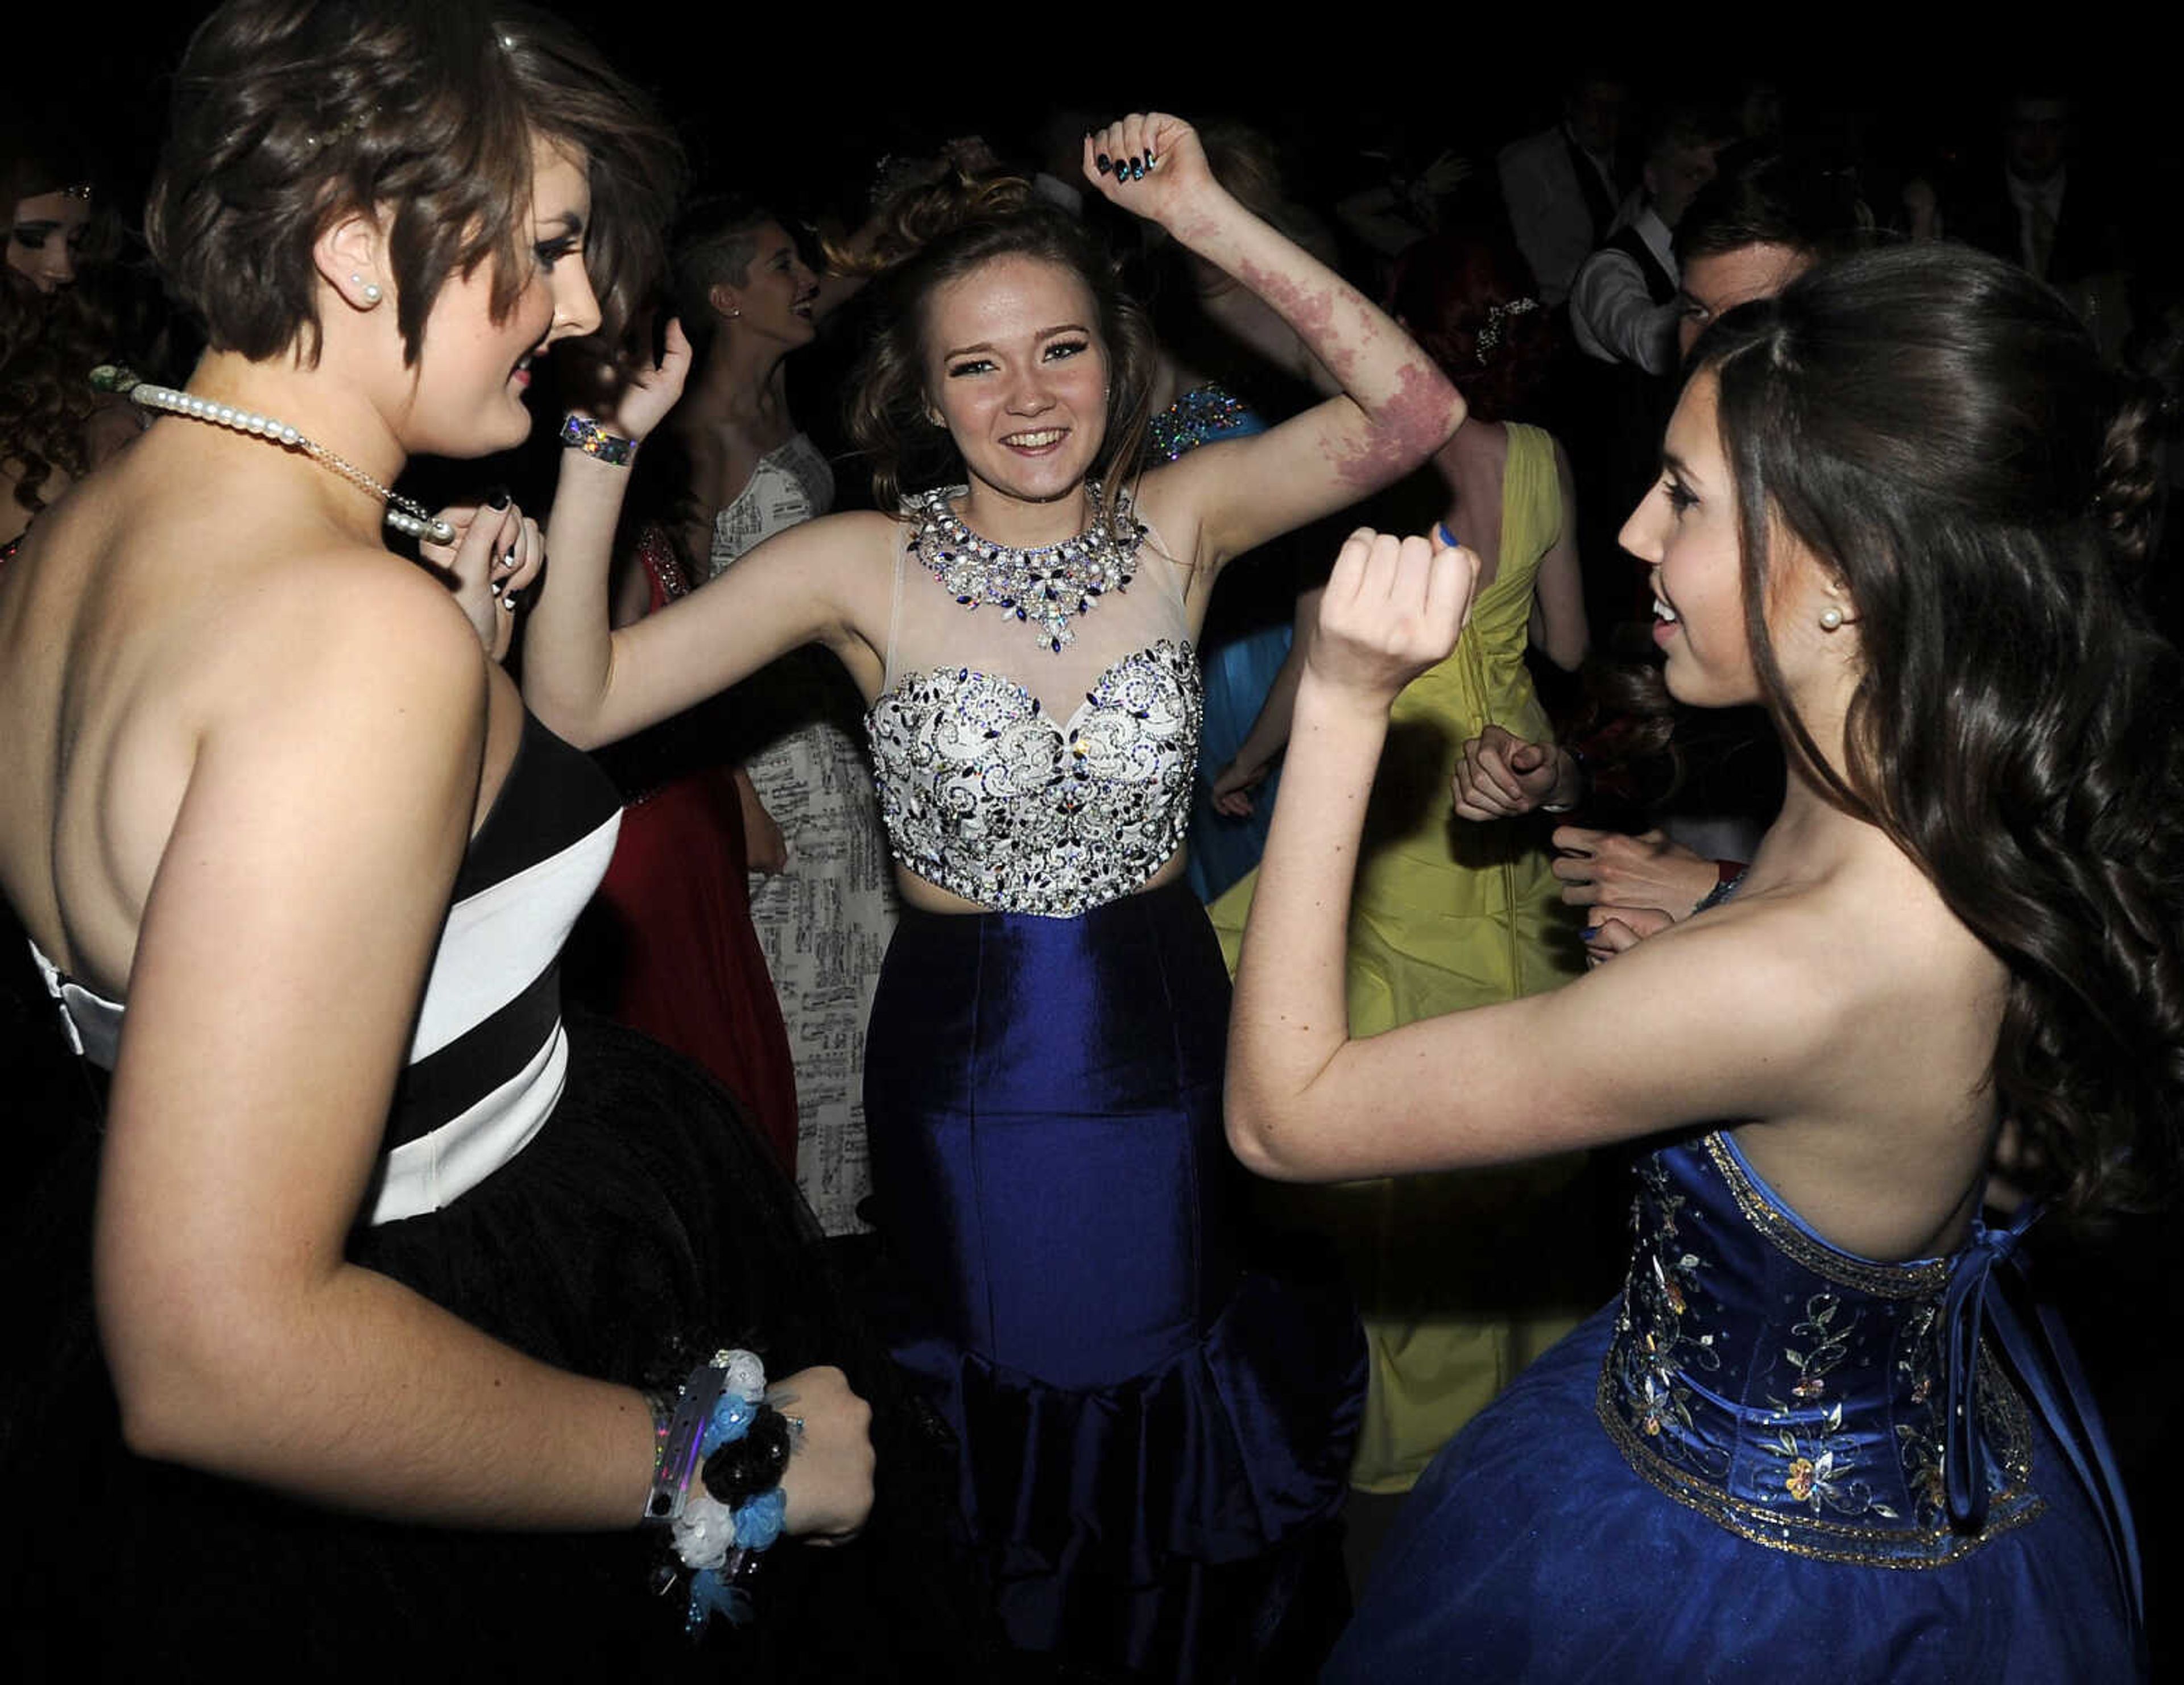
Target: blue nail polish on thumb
1588	933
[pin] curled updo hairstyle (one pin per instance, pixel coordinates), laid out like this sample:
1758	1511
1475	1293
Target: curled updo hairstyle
1936	428
1466	298
936	234
290	114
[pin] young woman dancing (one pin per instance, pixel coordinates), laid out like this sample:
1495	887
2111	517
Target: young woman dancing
1812	1438
381	1255
1153	1434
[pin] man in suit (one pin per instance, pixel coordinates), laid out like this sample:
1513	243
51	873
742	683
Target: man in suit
1561	185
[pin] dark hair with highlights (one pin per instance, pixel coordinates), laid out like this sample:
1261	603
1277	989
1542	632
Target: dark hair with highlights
290	114
933	236
1936	428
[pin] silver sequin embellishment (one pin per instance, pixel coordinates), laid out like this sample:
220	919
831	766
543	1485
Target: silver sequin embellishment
984	794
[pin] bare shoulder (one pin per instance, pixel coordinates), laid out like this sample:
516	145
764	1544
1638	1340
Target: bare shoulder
1865	975
346	619
344	675
1776	974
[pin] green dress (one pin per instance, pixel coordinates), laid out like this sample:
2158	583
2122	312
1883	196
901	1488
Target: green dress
1455	1274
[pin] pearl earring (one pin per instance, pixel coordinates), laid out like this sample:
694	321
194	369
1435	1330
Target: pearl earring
369	290
1830	617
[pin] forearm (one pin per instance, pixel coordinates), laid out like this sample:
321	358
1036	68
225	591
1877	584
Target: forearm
1408	405
568	643
357	1392
1270	729
1290	1017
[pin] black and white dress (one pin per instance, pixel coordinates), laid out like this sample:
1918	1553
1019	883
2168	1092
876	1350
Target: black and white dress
570	1188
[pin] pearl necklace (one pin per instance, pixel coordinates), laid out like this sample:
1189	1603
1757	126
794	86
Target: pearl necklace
404	515
1043	586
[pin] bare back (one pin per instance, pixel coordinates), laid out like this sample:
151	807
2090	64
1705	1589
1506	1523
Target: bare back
146	623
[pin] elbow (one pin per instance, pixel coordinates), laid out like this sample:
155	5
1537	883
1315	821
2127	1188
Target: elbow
1257	1138
190	1388
175	1409
1418	419
1443	411
574	726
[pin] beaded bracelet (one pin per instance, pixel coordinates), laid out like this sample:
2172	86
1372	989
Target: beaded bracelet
582	433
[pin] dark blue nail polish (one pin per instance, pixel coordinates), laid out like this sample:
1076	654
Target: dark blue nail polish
1588	933
1137	170
497	497
1103	162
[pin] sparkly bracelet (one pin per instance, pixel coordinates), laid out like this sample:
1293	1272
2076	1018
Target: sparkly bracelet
582	433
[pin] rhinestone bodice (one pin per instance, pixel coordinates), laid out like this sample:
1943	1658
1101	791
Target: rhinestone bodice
984	793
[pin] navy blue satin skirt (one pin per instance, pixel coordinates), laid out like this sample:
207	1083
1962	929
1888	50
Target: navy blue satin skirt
1155	1408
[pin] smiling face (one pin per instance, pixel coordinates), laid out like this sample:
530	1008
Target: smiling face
777	294
44	237
473	371
1686	531
1016	370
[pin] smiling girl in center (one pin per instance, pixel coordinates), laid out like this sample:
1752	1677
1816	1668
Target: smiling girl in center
1155	1425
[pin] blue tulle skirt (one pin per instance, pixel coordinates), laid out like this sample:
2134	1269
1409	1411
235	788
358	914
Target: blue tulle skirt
1531	1551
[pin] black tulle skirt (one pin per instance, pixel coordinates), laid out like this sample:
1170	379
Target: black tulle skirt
644	1227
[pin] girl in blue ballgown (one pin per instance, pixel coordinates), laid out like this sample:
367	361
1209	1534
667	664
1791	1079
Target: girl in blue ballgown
1813	1440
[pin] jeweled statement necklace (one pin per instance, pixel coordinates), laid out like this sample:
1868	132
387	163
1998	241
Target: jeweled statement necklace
401	513
1045	587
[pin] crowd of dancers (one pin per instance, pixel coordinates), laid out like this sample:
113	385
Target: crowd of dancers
651	1077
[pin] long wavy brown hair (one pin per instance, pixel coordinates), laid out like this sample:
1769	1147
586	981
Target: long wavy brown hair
1938	429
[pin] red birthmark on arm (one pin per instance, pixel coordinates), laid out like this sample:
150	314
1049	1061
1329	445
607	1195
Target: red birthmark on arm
1409	406
1403	430
1308	309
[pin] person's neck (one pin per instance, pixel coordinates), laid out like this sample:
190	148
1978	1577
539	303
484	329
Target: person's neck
1020	523
739	376
1812	834
335	413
